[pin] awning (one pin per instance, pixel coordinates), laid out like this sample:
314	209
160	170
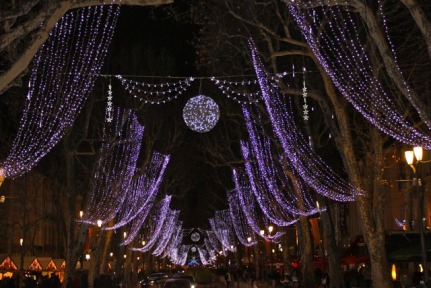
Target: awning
405	246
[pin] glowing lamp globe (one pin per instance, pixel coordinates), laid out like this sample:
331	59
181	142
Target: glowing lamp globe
195	237
201	114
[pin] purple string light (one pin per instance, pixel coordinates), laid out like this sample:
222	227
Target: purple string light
240	224
62	77
221	224
325	30
255	212
168	230
153	225
307	163
142	192
115	168
268	179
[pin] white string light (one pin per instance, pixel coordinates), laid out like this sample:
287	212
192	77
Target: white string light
63	74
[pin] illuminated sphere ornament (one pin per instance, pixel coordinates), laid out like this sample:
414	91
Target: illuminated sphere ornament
195	237
193	249
201	113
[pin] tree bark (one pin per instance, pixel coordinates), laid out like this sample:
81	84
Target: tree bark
307	269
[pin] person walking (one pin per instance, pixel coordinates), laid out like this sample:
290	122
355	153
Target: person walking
228	279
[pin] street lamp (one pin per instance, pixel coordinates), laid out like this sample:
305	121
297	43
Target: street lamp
248	249
270	229
417	182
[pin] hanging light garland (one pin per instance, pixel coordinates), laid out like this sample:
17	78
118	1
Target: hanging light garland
109	109
142	191
307	163
168	230
268	176
115	168
324	28
240	224
153	226
63	74
155	93
222	227
255	213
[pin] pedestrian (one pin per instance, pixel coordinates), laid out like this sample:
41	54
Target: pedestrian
228	279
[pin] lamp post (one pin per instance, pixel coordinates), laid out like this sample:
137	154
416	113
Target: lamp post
248	249
270	229
417	182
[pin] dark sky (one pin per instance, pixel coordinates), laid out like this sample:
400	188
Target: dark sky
149	42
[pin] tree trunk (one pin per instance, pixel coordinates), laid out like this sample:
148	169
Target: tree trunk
306	245
332	250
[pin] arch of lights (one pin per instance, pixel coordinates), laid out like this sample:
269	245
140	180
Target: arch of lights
324	28
54	100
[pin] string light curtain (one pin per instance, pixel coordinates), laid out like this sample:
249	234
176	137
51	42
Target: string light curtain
152	225
240	224
256	214
221	224
175	240
204	256
214	241
168	230
332	30
115	168
306	162
281	195
142	192
63	74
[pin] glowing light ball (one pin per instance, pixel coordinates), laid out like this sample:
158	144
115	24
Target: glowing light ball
195	237
201	113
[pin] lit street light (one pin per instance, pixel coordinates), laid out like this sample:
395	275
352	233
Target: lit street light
417	182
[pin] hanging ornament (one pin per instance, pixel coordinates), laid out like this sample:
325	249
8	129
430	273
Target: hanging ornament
109	108
201	113
195	236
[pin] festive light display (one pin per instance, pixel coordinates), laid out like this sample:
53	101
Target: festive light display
142	191
115	168
304	96
204	256
153	225
221	224
211	250
214	241
169	229
61	79
236	90
255	213
307	163
239	221
155	93
201	113
332	33
195	237
109	108
175	241
281	197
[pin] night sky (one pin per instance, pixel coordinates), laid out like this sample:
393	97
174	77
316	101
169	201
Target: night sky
149	42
